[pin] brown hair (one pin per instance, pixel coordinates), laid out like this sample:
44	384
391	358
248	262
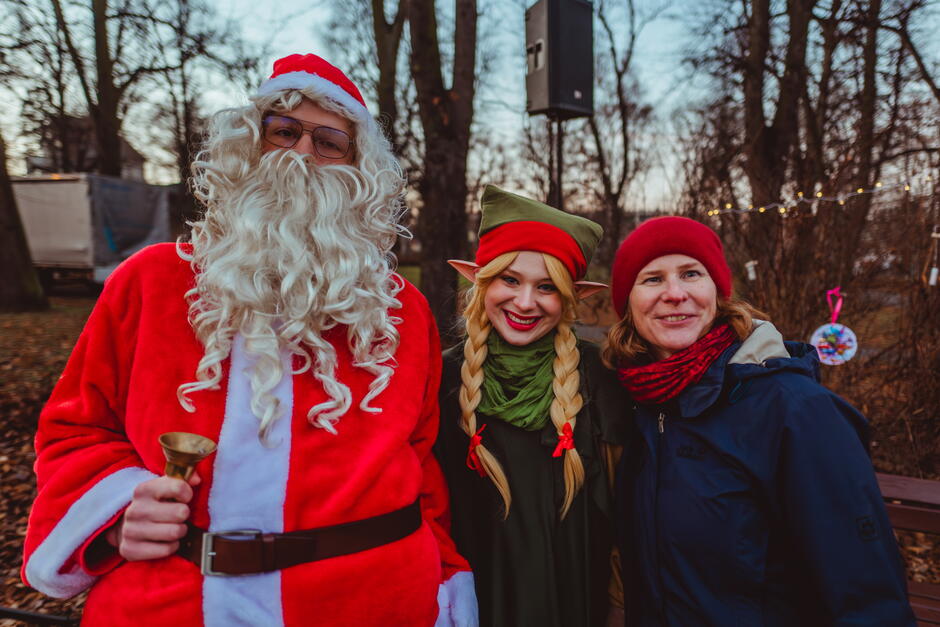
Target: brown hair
624	344
565	386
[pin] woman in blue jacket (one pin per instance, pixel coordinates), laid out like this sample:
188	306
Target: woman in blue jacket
751	497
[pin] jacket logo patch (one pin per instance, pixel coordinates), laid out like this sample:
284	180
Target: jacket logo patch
867	529
691	451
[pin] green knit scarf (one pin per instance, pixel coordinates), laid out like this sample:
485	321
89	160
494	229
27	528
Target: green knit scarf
517	381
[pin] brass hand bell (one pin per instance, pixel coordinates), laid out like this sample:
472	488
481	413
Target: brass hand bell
183	451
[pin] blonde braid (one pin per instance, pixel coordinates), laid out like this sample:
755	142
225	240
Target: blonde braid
567	383
471	371
567	404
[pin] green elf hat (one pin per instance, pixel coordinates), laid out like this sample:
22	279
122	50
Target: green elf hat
512	223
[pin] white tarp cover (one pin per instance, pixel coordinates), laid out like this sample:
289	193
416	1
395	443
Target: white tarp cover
89	221
57	221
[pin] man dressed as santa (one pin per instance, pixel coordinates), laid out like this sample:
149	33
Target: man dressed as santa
282	333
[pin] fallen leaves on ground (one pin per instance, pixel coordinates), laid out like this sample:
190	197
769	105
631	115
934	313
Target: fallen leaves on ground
33	350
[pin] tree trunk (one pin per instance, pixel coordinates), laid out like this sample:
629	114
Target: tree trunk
186	147
187	208
387	40
102	100
856	213
446	115
769	149
107	125
20	290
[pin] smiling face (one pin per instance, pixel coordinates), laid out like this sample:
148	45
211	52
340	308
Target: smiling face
522	303
673	303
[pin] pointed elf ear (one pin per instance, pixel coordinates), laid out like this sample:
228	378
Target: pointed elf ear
588	288
467	269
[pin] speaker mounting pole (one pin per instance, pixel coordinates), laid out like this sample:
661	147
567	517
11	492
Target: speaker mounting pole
559	163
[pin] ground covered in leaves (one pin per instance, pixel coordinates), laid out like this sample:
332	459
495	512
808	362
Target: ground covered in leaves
33	350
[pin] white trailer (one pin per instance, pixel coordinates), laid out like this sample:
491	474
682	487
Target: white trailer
84	225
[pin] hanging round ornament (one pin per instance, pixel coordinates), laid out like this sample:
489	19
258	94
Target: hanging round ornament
835	343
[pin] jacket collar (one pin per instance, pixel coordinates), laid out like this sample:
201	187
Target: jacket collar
764	342
763	352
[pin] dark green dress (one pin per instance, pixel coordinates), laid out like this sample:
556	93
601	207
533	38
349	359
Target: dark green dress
532	569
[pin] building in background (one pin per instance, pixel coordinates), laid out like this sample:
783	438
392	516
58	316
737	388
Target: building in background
68	145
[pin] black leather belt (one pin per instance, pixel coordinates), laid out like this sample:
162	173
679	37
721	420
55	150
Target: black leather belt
248	551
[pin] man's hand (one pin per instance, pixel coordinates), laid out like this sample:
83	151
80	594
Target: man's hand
155	520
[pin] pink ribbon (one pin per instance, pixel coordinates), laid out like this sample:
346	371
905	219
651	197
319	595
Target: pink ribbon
838	306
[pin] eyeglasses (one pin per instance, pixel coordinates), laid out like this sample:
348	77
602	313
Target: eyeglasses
285	132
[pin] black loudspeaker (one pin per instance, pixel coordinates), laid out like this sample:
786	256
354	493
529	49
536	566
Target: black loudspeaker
559	40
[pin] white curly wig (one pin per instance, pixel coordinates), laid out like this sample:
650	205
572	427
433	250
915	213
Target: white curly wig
288	250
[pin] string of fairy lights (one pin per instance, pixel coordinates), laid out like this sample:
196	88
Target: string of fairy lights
784	207
834	342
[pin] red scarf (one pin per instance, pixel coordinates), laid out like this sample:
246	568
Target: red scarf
663	380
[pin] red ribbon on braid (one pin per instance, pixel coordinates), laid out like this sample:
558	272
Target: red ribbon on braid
565	440
473	460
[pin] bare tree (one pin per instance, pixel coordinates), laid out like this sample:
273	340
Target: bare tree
102	94
388	36
192	45
34	60
120	60
446	116
899	24
366	37
809	99
619	155
20	290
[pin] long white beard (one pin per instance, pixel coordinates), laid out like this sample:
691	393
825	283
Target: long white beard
283	255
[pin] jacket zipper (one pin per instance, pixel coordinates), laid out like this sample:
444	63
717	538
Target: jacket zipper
659	557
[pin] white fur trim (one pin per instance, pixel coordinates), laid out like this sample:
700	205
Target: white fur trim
86	516
457	602
249	486
306	81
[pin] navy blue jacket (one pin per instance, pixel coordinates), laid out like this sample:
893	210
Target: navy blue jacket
753	502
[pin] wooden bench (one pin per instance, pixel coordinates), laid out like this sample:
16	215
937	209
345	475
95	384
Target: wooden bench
914	505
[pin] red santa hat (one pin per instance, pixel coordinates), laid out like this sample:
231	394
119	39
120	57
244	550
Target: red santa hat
316	77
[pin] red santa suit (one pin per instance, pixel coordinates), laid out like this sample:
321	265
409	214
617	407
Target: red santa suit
97	440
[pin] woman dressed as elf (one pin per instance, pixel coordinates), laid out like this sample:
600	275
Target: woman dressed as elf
530	420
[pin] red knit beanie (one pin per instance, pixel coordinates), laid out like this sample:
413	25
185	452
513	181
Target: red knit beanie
668	235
